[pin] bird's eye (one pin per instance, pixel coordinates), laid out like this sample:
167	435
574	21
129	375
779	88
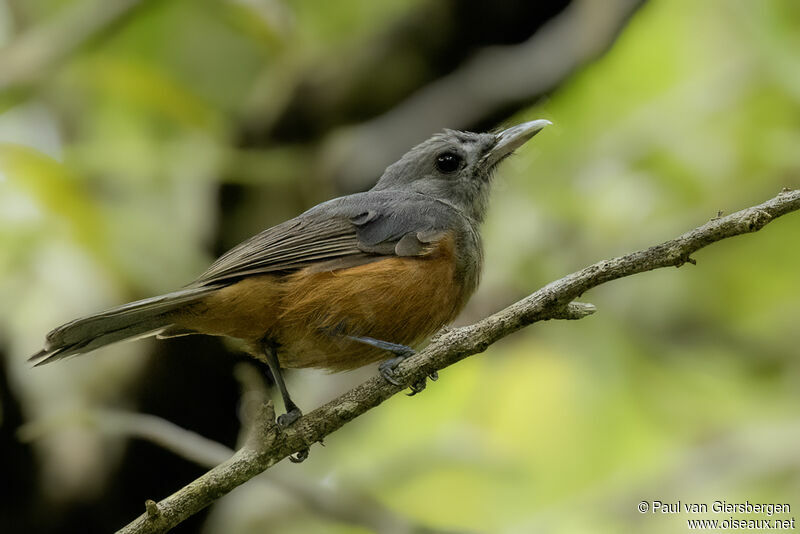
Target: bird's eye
448	162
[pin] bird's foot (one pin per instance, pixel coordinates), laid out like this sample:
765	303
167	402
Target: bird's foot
286	420
387	367
289	417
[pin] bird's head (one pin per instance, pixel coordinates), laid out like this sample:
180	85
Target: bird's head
456	166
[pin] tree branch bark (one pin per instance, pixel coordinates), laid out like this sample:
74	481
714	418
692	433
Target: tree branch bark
267	444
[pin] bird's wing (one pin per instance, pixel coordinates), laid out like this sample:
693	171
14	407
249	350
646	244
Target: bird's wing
341	233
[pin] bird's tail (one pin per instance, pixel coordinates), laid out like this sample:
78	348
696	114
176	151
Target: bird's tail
133	320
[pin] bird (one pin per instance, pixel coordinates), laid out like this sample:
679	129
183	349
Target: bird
354	280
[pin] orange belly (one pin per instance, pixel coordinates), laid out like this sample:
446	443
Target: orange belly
309	314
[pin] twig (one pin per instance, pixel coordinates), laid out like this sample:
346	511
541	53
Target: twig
268	445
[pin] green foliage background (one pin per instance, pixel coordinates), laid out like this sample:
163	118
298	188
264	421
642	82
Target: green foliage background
685	384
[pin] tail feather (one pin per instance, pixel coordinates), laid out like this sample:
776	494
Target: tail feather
133	320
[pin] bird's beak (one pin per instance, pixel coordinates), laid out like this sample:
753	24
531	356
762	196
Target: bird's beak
511	139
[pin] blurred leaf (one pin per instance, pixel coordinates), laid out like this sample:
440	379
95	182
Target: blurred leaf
60	193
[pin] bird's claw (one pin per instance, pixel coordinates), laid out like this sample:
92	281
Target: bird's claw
299	456
388	374
419	386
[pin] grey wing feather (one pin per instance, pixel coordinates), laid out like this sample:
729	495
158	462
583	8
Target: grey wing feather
340	233
291	245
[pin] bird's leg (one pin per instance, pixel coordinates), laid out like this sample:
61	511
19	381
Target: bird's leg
293	413
387	367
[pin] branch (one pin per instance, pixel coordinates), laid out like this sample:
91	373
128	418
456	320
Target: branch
267	444
496	79
434	38
477	63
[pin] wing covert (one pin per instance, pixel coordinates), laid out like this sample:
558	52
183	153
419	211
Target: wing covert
341	233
